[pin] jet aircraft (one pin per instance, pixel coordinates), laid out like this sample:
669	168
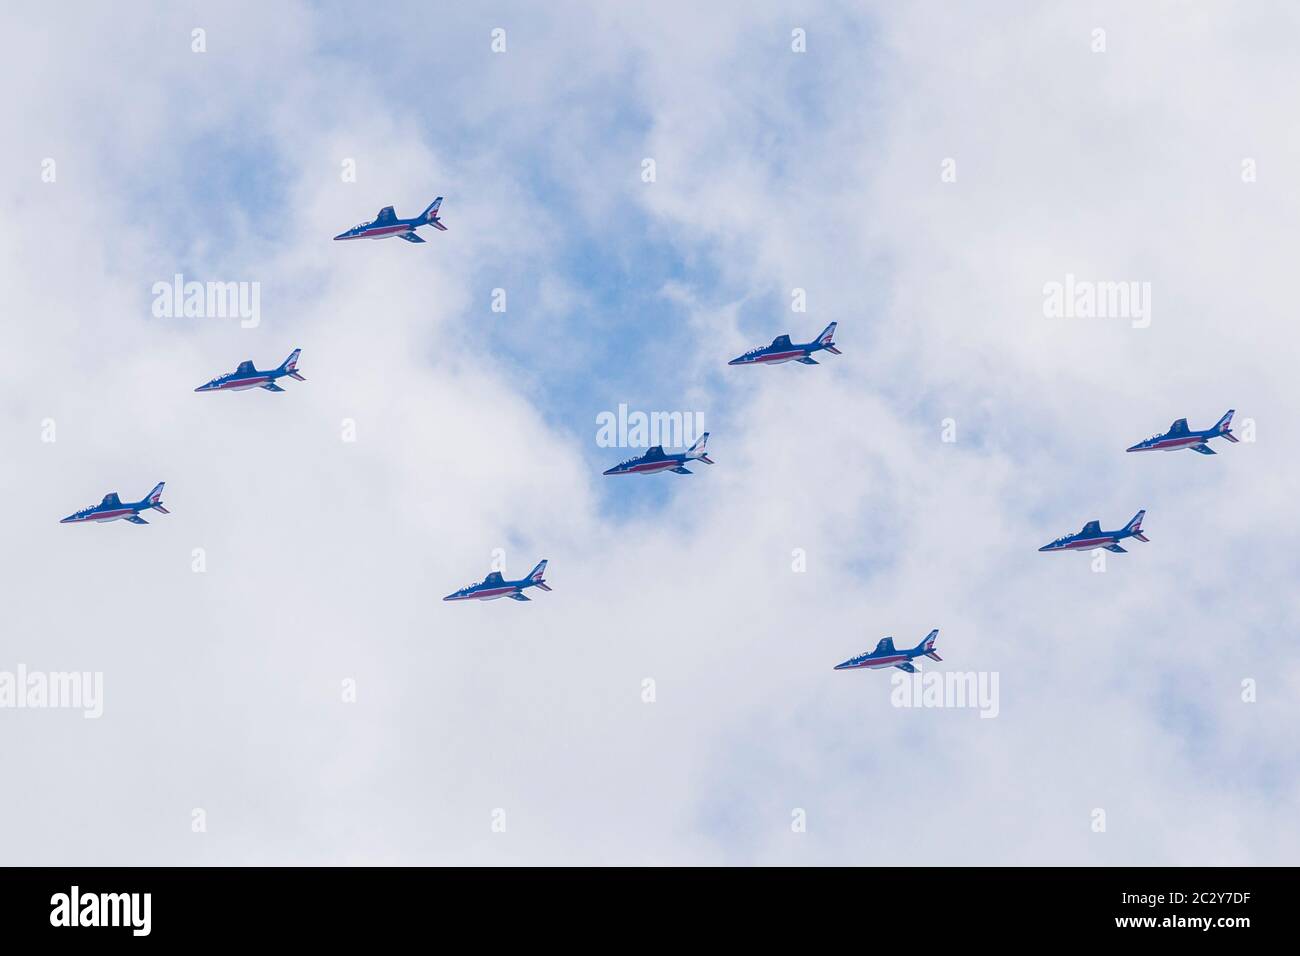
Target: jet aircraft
246	376
655	461
783	350
495	586
1179	436
387	224
886	655
1092	537
112	508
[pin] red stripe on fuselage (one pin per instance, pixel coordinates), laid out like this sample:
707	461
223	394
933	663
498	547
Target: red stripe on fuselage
383	230
1090	542
1174	442
104	515
880	661
243	381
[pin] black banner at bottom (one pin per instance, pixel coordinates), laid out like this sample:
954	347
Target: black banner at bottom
337	905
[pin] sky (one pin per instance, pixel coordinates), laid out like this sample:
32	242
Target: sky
281	681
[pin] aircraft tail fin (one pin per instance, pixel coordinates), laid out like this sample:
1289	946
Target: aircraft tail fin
430	214
1134	527
697	452
826	339
1224	426
154	498
537	573
290	365
927	645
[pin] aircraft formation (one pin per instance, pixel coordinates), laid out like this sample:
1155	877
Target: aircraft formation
654	460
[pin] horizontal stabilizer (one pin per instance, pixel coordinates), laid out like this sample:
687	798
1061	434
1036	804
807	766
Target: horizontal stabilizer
436	225
933	656
543	585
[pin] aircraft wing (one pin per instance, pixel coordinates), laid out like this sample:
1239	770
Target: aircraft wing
1091	528
807	360
1179	427
436	225
136	519
519	596
1204	449
1116	548
272	387
409	237
386	215
906	666
682	471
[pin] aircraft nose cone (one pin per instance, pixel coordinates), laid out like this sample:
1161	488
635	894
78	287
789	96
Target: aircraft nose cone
1046	547
610	471
341	235
734	361
67	520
